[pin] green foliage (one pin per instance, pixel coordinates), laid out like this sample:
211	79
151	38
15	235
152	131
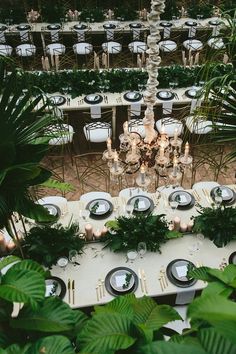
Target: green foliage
95	14
217	223
115	80
203	8
45	244
171	9
53	11
126	13
125	233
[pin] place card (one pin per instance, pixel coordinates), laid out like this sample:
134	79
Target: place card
183	198
120	280
182	271
224	193
141	204
101	208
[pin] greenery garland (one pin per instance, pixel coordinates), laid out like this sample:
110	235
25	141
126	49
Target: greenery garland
217	223
83	82
125	233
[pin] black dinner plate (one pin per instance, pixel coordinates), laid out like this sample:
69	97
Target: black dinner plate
132	96
187	200
191	23
227	194
54	27
176	272
135	25
53	210
57	100
111	285
192	92
109	26
99	208
141	203
55	287
165	95
23	27
93	99
214	22
232	258
80	26
3	28
166	24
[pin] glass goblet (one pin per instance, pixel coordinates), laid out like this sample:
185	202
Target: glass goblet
142	249
174	204
131	255
218	200
85	214
129	209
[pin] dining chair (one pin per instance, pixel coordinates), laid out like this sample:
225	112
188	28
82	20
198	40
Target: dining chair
168	122
87	197
131	192
97	125
92	172
205	185
61	202
5	50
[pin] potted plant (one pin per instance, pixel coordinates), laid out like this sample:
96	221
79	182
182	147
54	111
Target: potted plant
217	223
45	244
125	233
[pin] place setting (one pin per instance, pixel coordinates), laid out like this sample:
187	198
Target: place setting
99	208
139	204
93	99
176	272
120	281
165	95
53	27
181	199
57	100
54	211
193	92
132	96
223	195
55	286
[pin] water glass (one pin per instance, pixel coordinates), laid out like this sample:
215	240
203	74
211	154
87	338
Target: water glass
131	255
142	249
73	254
218	200
129	209
62	262
174	204
85	214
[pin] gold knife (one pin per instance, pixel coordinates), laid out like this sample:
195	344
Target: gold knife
73	291
141	280
144	281
68	286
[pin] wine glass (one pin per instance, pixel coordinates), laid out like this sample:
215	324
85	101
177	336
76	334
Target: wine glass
85	214
131	255
73	254
218	200
174	204
62	262
129	209
65	90
142	249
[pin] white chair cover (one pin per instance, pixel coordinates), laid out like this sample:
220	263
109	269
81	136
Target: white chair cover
131	192
135	109
87	197
55	49
96	112
166	32
167	46
2	37
82	48
63	134
97	135
112	47
197	125
25	50
192	32
168	190
137	47
205	185
5	50
193	44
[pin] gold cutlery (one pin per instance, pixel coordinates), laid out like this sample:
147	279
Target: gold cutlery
207	196
97	294
73	292
141	280
164	278
68	286
100	288
160	281
103	287
144	281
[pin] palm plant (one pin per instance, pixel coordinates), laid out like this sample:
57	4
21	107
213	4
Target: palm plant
220	91
22	147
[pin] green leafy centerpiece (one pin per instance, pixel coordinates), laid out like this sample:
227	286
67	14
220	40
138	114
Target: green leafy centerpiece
45	244
125	233
217	223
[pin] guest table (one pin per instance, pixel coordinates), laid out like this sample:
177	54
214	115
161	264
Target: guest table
96	261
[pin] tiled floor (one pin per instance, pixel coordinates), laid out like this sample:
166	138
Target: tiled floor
93	175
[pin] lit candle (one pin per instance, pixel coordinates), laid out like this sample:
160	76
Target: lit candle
116	161
163	133
57	62
162	152
104	230
196	60
175	166
2	244
125	127
47	64
191	61
186	151
176	136
52	60
10	246
43	63
190	225
144	14
142	172
133	148
88	232
183	227
97	234
109	146
176	223
185	62
109	14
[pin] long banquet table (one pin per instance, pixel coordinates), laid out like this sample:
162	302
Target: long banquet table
96	261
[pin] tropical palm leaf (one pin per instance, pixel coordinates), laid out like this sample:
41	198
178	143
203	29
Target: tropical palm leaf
52	345
214	343
161	347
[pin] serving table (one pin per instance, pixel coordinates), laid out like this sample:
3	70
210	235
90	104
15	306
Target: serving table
96	262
